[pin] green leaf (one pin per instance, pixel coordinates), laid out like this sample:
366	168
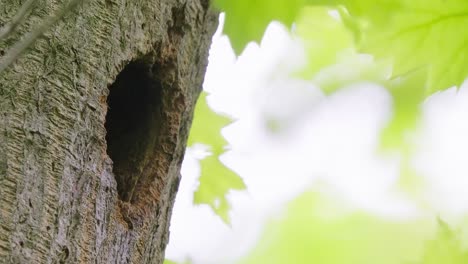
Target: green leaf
325	38
246	20
415	34
333	61
408	92
445	248
216	180
319	230
350	70
206	127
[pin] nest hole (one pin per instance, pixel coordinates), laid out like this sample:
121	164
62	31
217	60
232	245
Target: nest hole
132	125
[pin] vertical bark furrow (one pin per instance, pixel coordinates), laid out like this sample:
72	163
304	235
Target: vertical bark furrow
59	195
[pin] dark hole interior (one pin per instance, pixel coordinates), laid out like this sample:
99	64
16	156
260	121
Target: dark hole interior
132	124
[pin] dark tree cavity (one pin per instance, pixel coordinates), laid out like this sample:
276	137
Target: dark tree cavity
94	120
133	123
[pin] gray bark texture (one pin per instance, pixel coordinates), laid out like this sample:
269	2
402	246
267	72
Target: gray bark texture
94	119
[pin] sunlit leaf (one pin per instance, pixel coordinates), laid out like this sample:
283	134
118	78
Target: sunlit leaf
333	61
357	68
325	38
415	34
445	248
247	20
216	180
206	127
318	230
408	92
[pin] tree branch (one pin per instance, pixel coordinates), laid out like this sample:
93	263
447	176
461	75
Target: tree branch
21	46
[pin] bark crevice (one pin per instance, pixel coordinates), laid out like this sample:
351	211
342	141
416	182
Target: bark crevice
133	123
94	120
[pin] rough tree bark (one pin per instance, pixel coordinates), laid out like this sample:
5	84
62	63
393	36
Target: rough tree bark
93	125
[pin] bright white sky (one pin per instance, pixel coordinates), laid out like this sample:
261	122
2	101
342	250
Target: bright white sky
328	139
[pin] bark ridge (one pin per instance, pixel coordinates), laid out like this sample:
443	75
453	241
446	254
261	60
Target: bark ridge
93	126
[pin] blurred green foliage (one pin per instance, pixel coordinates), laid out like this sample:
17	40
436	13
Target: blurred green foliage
247	20
413	48
216	180
319	229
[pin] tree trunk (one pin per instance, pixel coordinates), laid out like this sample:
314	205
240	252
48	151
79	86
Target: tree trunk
93	125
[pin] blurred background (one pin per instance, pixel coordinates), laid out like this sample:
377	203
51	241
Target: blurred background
318	186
